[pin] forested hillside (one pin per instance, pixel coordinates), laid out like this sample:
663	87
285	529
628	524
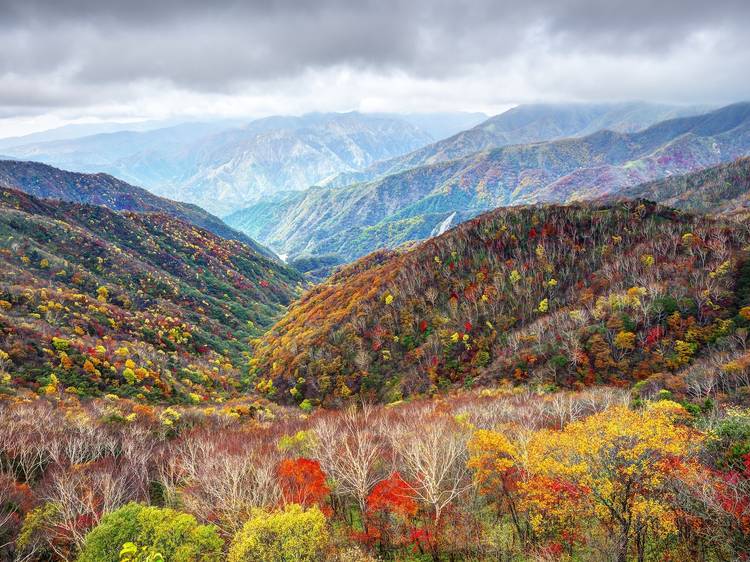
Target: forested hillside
718	189
45	181
94	301
556	296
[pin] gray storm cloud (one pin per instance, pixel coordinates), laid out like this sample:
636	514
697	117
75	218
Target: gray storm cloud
75	53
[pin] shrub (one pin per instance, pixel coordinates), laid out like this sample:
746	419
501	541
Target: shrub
176	536
294	534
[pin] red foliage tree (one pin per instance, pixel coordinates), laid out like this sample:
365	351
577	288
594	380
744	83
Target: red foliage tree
302	481
393	495
390	507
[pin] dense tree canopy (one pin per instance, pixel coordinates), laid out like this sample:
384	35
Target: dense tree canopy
559	296
292	535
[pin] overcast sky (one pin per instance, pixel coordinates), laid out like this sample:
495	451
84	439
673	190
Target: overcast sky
81	60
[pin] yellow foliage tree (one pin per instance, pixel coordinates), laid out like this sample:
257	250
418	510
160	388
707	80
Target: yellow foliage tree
625	340
291	535
614	466
623	457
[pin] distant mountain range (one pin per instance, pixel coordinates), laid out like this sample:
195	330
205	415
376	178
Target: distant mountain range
526	124
223	168
414	204
45	181
75	131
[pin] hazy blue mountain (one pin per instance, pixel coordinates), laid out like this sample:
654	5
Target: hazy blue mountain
526	124
441	125
75	131
222	169
102	152
43	181
353	220
287	153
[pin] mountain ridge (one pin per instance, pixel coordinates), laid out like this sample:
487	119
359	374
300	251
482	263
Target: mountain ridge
410	204
724	188
42	180
526	124
219	167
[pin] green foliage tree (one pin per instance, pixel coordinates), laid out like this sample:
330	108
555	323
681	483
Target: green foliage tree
176	536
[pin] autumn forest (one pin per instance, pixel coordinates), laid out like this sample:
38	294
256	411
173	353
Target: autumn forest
539	383
352	281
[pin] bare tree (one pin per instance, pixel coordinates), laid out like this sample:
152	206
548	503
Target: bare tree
563	408
82	495
6	514
350	450
225	479
431	450
27	438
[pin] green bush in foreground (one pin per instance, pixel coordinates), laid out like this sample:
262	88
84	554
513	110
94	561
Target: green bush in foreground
176	536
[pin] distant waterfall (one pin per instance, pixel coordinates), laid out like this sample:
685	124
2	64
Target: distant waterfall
443	226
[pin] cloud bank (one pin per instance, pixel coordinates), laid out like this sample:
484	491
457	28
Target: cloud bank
72	59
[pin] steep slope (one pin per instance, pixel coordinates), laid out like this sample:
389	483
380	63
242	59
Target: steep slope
262	218
553	295
526	124
722	188
45	181
129	303
223	168
353	220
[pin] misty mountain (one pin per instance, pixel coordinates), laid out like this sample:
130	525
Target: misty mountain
354	220
526	124
221	168
441	125
75	131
